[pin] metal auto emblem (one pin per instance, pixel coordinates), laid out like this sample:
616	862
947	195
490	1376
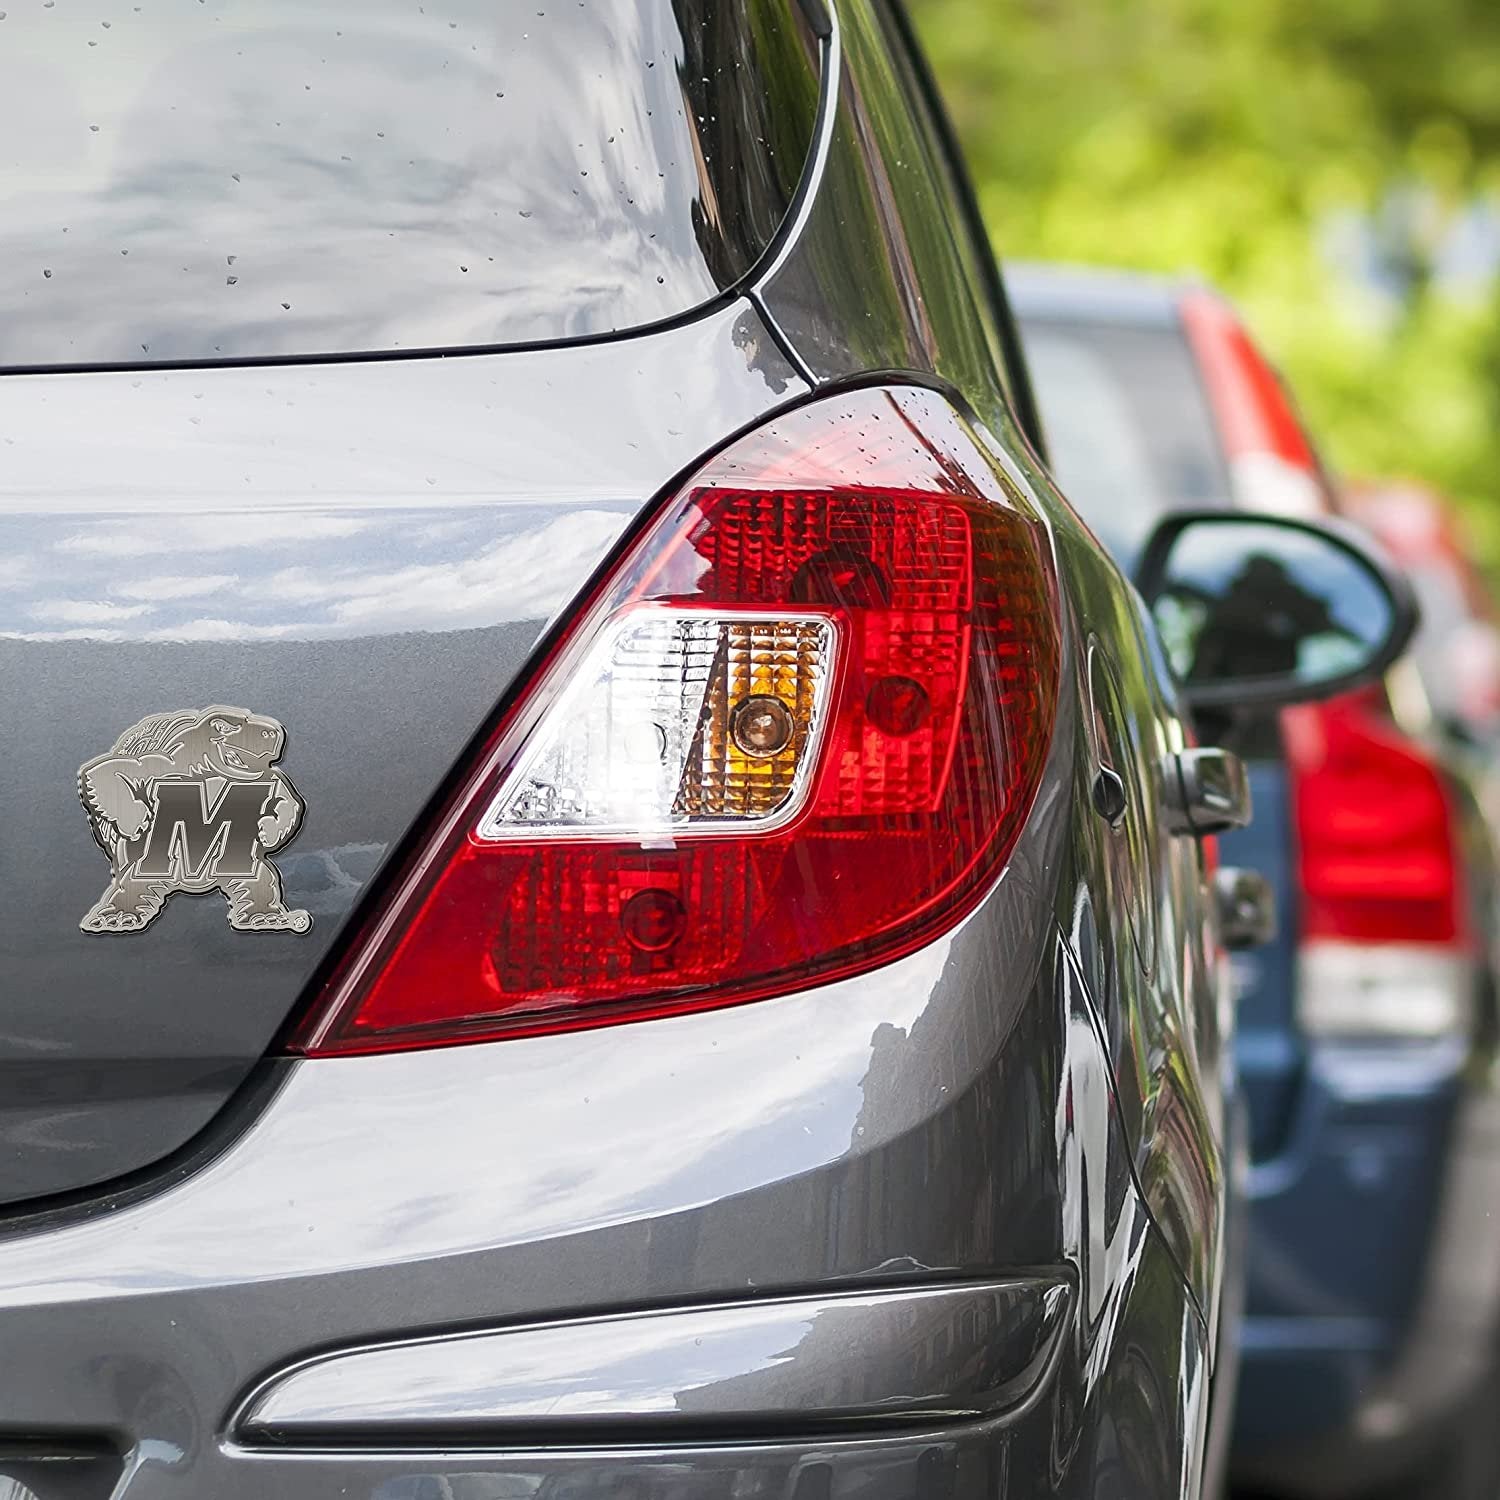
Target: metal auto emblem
191	801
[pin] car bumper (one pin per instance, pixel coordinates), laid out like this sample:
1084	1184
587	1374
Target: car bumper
929	1156
345	1302
1374	1284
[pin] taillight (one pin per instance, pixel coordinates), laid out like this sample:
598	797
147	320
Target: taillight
793	735
1385	946
1378	856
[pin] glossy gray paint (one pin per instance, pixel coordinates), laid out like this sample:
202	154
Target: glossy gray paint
368	552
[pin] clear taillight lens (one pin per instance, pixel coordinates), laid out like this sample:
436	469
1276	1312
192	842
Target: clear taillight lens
677	722
793	735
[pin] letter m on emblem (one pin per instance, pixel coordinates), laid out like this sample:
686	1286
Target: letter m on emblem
189	840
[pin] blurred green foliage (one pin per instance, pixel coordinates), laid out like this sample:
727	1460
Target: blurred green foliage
1226	138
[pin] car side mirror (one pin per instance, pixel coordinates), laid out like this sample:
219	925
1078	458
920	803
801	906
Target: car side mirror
1264	611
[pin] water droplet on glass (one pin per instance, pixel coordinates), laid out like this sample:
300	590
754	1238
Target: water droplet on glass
235	175
105	25
230	280
47	274
94	128
287	306
229	260
93	44
524	212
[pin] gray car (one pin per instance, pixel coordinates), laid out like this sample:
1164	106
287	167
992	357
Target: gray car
601	884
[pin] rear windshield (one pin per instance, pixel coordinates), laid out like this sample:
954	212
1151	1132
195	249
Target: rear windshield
202	179
1128	426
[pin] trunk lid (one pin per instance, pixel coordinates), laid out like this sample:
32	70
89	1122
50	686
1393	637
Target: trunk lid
366	554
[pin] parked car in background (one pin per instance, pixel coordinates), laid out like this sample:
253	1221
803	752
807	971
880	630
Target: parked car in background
1366	1031
618	912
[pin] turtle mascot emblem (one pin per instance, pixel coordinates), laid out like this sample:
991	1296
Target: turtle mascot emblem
191	802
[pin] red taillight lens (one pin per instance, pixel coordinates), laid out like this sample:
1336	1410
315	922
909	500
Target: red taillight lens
793	735
1379	862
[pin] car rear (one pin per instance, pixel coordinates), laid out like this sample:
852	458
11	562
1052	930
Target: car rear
539	839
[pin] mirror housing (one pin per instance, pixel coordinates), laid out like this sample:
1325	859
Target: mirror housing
1262	611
